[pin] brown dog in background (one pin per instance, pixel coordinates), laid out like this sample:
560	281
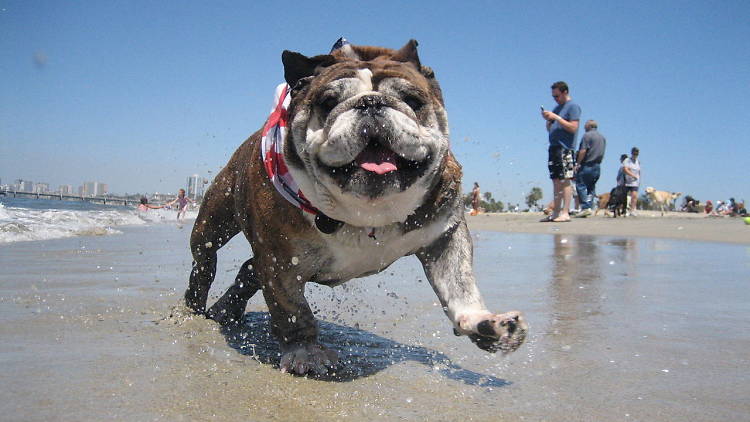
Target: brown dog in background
603	201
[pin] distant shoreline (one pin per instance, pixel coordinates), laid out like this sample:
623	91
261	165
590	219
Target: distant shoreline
102	200
673	225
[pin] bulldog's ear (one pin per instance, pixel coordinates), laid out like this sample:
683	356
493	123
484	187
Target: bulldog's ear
298	66
408	54
428	73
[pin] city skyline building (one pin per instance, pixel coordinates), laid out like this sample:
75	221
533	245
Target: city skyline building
93	189
41	187
196	187
21	185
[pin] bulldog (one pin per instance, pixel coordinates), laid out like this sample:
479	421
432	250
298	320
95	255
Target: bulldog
351	172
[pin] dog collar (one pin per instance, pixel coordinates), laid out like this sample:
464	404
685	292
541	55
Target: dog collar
272	154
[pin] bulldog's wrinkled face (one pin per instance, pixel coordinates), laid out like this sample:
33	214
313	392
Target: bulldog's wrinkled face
370	137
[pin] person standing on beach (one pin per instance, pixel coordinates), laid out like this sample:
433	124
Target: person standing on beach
588	166
182	202
631	167
475	197
562	125
621	170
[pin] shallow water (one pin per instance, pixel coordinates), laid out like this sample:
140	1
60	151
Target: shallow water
620	329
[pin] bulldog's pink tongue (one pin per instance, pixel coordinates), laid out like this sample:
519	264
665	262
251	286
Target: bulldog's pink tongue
379	168
380	162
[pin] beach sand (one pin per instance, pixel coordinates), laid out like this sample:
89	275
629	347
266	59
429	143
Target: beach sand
628	322
672	225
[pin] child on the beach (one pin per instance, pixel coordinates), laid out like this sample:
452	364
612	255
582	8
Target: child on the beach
182	202
145	206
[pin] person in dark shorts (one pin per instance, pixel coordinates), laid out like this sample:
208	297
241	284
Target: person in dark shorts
562	125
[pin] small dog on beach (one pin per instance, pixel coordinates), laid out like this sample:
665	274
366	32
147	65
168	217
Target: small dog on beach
661	198
351	172
617	201
602	205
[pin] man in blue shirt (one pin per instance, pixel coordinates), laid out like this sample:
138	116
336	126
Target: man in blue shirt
562	125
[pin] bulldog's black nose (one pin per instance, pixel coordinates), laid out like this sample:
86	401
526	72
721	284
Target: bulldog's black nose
370	103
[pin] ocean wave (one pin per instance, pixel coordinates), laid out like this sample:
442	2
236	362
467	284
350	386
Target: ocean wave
18	224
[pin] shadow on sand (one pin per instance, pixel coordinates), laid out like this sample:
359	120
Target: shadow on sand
361	353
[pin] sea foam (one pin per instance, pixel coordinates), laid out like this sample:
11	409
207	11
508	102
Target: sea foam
18	224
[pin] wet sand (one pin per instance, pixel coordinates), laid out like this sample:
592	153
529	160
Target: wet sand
622	327
671	225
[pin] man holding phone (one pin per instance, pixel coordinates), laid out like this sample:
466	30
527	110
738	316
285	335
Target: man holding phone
562	125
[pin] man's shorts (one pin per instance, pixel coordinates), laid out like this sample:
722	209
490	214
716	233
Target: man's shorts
631	188
560	163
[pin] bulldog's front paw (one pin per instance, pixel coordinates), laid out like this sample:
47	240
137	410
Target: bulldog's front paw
306	358
495	332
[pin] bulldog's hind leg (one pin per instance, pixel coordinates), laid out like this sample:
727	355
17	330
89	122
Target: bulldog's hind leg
448	266
230	308
211	231
204	246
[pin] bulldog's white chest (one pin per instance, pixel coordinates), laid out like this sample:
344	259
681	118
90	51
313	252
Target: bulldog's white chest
357	252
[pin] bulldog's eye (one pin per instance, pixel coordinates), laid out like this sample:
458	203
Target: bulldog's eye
327	104
415	103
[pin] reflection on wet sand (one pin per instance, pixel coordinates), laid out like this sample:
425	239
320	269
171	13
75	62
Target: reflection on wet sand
627	252
575	282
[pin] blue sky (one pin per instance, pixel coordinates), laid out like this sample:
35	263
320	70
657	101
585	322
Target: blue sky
142	94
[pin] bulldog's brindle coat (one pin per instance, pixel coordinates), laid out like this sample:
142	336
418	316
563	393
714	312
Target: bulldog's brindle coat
368	145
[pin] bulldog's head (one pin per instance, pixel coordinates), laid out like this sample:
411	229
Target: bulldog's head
368	132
